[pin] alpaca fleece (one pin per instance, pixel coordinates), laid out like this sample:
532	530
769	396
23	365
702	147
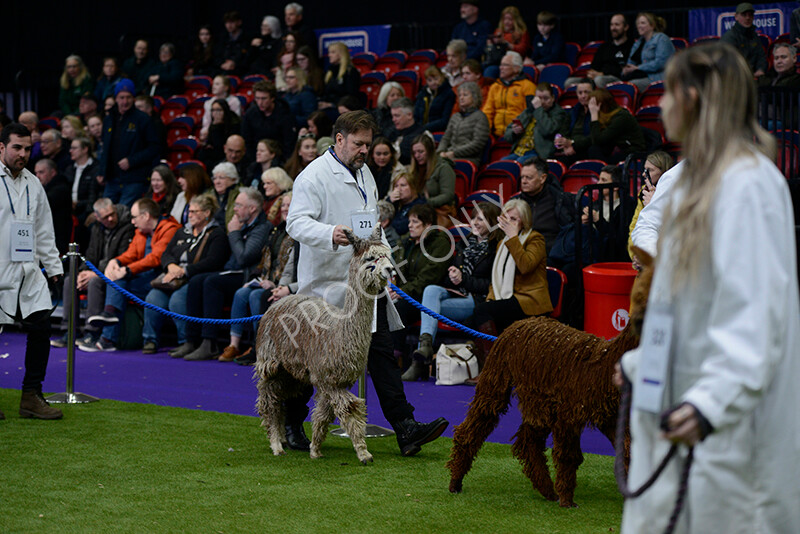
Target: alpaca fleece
304	340
563	380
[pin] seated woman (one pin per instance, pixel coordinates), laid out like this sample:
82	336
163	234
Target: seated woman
286	61
220	89
437	176
421	260
305	151
614	132
265	47
225	179
385	217
656	164
319	125
534	130
75	81
300	97
212	291
163	188
468	130
275	183
342	78
71	127
268	154
166	77
607	216
471	72
203	60
224	123
306	59
390	91
382	162
198	247
649	53
434	102
193	180
405	194
519	273
456	56
108	79
255	297
511	34
465	285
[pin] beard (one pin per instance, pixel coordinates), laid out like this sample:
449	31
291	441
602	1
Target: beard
356	162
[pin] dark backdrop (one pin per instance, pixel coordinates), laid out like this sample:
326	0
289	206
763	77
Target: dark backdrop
37	36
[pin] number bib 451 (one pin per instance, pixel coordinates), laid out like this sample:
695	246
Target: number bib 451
21	241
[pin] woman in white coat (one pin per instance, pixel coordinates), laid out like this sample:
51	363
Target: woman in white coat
726	279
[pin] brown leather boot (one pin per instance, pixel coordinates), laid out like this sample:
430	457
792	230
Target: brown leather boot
32	404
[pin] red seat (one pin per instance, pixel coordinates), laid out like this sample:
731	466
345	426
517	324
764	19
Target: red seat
651	96
500	181
196	109
181	150
590	164
572	181
467	169
409	79
555	74
371	87
500	148
557	168
568	98
46	123
174	107
587	53
391	62
571	52
556	281
180	128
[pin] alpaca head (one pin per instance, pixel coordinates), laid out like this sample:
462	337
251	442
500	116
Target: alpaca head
371	266
641	290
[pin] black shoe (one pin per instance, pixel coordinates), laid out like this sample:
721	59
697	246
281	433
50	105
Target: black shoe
412	435
296	438
103	319
248	358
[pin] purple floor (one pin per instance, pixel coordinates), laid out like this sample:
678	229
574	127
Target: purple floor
131	376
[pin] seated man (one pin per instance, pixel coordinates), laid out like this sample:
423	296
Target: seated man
784	70
405	128
133	269
108	239
138	66
54	147
534	130
744	38
58	196
551	207
574	144
507	95
611	56
210	292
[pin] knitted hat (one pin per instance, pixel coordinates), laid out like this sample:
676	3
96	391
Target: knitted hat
124	85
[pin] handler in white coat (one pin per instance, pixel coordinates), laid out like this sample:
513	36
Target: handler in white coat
337	191
26	239
724	306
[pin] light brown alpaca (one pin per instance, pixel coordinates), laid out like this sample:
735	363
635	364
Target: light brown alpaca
562	378
304	340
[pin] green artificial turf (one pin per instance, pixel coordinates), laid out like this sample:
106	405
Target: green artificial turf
122	467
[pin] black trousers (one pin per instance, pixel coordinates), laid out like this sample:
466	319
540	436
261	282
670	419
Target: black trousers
37	347
502	312
383	370
209	292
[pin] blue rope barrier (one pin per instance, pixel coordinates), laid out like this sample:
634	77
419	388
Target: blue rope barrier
255	318
162	311
442	318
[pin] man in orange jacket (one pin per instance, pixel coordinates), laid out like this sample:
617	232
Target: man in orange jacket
133	269
508	94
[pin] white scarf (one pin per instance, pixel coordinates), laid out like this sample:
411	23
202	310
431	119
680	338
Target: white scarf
503	269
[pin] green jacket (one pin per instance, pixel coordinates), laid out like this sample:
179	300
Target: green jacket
621	131
548	123
441	184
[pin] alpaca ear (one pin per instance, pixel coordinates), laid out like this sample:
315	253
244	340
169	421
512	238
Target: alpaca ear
376	233
350	236
644	258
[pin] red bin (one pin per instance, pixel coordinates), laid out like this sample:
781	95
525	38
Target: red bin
607	290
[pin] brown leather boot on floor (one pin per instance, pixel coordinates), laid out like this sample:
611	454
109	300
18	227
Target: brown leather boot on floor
229	354
32	404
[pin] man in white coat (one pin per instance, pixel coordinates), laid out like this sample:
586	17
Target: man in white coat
26	239
337	191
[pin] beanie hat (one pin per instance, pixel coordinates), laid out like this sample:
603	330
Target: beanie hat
124	85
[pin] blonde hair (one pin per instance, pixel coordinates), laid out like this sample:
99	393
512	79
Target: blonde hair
83	72
658	23
524	211
715	86
519	24
344	60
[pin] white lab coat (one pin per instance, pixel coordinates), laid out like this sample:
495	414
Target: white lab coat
645	233
734	356
25	280
325	195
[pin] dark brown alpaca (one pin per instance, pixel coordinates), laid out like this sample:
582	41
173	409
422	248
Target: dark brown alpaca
563	380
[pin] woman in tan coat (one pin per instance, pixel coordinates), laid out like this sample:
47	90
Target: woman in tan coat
519	273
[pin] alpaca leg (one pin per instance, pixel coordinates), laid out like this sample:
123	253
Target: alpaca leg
491	399
568	457
529	446
352	414
321	417
270	408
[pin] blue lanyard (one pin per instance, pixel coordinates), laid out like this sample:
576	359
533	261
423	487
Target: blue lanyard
351	171
27	195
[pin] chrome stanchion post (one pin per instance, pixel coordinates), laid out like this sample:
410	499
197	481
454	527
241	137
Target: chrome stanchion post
70	397
372	431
